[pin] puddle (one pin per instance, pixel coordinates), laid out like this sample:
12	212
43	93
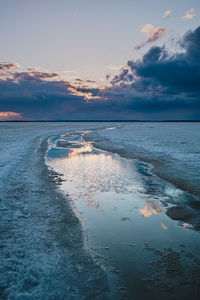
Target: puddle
122	206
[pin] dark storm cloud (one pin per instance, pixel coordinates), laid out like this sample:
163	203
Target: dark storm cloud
34	96
164	81
161	85
158	69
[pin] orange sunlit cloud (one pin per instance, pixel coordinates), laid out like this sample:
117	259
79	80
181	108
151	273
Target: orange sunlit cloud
9	115
4	67
86	95
152	34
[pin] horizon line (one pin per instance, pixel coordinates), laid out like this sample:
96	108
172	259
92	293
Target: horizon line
117	120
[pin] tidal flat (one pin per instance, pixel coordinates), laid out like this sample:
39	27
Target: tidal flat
92	211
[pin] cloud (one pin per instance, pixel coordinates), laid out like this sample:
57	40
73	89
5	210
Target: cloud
160	85
147	29
9	115
166	14
163	83
8	66
189	14
35	75
86	94
39	95
152	34
159	31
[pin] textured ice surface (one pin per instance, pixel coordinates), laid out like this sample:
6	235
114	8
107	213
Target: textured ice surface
41	243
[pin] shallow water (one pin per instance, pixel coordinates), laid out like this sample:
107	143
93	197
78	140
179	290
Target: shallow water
173	148
122	206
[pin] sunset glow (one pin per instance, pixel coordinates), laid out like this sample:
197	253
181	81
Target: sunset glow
85	95
9	115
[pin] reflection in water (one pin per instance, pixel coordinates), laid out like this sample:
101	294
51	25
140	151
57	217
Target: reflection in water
86	148
164	226
92	173
108	192
186	225
150	208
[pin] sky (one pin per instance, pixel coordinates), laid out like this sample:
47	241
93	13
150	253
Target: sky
89	59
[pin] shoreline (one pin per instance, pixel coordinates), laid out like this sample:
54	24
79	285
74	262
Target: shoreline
44	238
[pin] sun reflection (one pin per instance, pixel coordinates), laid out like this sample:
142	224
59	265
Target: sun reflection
150	208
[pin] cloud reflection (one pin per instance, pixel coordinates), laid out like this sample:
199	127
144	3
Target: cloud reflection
87	174
164	226
150	208
87	148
